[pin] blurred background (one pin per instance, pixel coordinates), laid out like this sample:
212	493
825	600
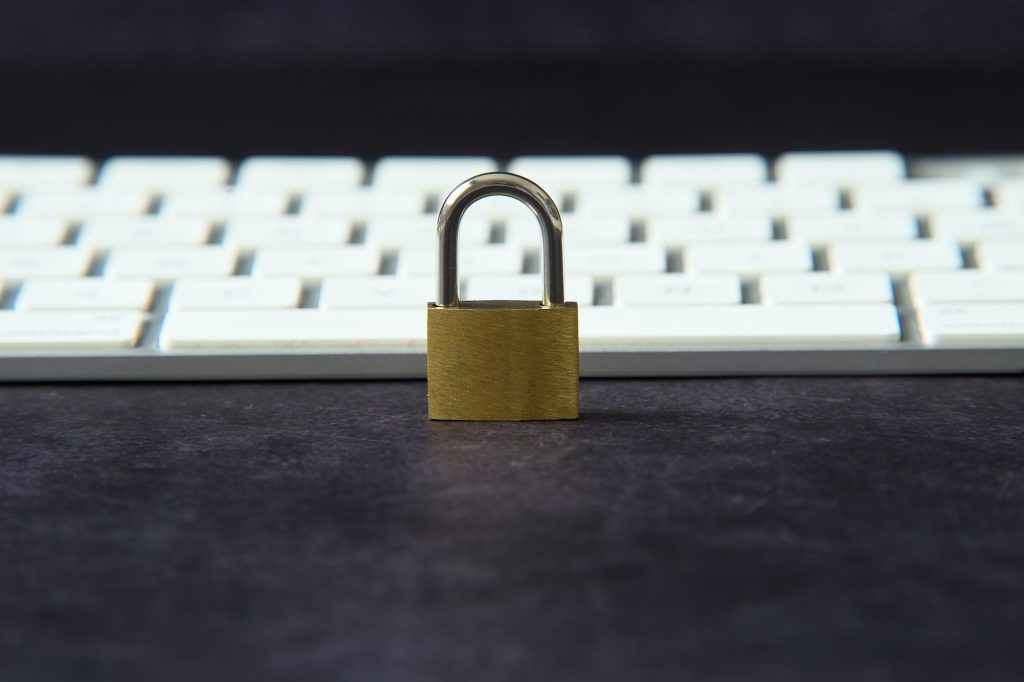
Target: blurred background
238	77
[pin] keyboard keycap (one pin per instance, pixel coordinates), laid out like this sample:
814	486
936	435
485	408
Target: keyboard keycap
377	292
227	293
739	325
20	173
676	289
286	231
1000	254
1009	194
170	262
429	174
825	287
297	174
826	228
919	195
992	324
747	259
703	171
221	204
570	174
966	286
87	293
896	258
976	167
363	329
163	173
709	228
637	202
970	226
316	263
142	231
578	288
607	261
840	168
34	331
81	203
362	203
60	261
775	200
31	232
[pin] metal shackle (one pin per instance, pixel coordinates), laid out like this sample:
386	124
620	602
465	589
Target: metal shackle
509	185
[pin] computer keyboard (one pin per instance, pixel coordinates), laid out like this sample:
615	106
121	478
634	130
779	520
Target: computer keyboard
175	268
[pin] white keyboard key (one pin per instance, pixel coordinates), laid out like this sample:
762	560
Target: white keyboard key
849	226
222	204
991	324
363	329
775	200
841	169
396	233
637	202
19	173
676	289
977	167
497	259
747	259
81	203
608	261
703	171
966	286
919	195
705	228
570	174
86	293
163	173
825	287
377	292
142	231
1000	254
58	261
970	226
288	230
578	288
429	174
576	229
1009	194
896	258
738	325
34	331
170	262
316	263
297	174
227	293
17	231
362	203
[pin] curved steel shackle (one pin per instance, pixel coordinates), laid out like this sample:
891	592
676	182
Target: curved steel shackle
509	185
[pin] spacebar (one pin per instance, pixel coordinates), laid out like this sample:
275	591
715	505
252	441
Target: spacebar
295	328
739	325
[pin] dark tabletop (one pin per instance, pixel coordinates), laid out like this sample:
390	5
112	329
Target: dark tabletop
865	528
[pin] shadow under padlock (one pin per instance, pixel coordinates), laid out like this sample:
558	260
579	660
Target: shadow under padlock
502	360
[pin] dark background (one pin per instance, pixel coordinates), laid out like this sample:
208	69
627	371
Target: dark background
370	78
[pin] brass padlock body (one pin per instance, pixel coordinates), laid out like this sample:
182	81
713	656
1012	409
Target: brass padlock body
503	361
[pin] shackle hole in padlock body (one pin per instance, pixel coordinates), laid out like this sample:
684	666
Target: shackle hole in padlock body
501	184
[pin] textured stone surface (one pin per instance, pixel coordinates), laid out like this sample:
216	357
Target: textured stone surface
738	529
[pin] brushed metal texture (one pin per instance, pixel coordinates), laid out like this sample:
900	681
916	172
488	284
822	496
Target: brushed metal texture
503	361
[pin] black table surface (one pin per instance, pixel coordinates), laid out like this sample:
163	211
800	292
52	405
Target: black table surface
714	529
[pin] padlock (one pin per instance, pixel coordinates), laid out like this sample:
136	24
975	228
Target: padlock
502	360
